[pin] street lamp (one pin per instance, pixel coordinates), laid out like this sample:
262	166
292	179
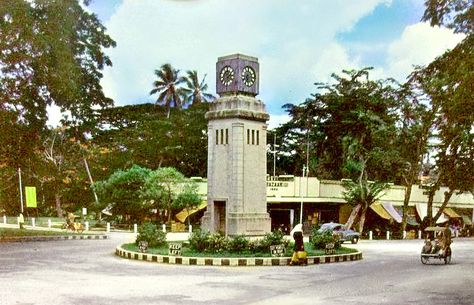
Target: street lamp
274	152
301	194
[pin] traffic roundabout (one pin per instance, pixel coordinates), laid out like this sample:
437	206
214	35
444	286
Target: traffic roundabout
234	261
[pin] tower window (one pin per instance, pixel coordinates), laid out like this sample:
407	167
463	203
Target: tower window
258	140
226	136
248	136
217	137
222	136
253	137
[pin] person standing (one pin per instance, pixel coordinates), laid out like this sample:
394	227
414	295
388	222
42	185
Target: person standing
299	254
21	220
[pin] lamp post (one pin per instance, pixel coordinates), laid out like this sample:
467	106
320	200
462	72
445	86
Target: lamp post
301	194
274	152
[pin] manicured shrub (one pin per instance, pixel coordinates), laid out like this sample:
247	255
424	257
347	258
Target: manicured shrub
198	241
321	239
270	239
238	243
217	243
149	232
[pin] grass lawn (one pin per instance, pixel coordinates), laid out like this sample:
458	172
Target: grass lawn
7	232
188	252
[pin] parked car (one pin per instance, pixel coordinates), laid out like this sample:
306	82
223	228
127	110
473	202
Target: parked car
344	235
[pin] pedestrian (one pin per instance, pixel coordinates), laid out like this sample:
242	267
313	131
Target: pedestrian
299	254
21	220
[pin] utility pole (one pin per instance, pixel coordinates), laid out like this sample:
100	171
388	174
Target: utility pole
274	152
301	194
21	190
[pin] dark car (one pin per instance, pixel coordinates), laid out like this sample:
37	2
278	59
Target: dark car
344	235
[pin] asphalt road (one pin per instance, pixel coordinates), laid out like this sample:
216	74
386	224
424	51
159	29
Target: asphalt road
88	272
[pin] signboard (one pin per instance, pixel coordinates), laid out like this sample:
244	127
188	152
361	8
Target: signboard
142	246
175	249
277	250
30	192
84	211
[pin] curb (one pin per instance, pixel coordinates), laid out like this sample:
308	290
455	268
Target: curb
244	261
51	238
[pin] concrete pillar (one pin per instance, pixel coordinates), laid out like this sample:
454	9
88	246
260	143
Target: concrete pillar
87	225
49	223
33	222
370	235
4	219
388	235
18	220
419	234
107	227
135	228
190	229
404	234
164	228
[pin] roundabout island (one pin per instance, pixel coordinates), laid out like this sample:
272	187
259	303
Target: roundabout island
233	261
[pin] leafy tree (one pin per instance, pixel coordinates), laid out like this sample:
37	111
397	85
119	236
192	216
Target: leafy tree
195	91
167	87
455	14
346	123
51	53
168	189
350	128
141	134
122	191
415	126
361	195
447	84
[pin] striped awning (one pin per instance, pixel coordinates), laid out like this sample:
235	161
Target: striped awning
391	210
451	213
466	220
379	209
421	209
185	213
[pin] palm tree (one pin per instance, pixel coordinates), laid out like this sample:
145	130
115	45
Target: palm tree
195	90
167	85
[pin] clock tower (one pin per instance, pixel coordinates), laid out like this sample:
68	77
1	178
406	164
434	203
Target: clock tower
237	159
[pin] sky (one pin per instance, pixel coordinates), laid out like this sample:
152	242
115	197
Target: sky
297	43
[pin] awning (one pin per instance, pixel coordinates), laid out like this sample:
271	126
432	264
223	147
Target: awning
391	210
451	213
411	220
422	208
466	220
379	209
185	213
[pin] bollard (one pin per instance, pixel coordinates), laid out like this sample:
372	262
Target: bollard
87	225
190	229
419	234
404	234
370	235
33	222
135	228
388	235
108	227
164	228
4	219
49	223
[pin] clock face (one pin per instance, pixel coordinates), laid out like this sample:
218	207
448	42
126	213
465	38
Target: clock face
248	76
227	75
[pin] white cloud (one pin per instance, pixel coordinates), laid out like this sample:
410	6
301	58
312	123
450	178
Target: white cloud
294	41
277	119
419	44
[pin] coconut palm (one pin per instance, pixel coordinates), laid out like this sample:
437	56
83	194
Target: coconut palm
195	91
167	85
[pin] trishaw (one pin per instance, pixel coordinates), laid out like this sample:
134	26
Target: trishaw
432	249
